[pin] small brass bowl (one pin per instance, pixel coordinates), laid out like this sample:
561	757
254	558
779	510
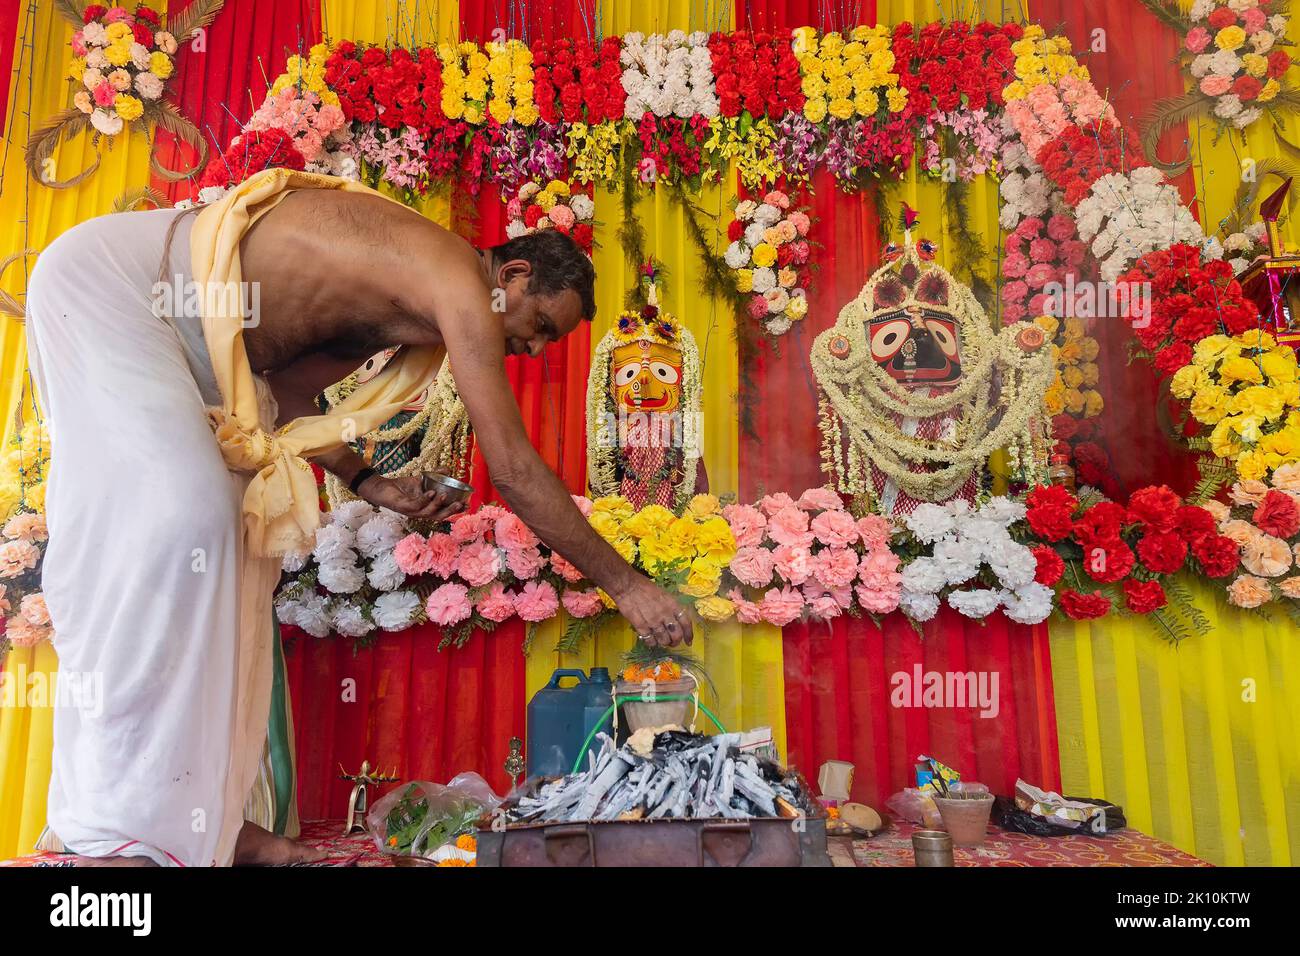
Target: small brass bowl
451	488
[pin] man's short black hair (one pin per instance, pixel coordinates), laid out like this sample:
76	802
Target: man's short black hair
558	264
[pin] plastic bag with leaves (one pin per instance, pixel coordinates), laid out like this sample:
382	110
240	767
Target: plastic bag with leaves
416	818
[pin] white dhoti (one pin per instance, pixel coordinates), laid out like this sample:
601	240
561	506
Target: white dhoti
142	575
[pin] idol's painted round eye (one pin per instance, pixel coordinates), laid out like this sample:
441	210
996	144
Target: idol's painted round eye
943	334
888	337
665	373
374	365
626	374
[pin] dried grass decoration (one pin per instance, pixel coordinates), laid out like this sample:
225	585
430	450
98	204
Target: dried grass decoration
119	85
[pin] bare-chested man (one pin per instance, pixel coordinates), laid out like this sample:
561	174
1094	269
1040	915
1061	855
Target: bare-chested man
138	487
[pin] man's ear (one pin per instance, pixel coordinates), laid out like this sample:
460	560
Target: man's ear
513	269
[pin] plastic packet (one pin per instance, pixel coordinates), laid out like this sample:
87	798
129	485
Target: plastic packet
417	818
918	806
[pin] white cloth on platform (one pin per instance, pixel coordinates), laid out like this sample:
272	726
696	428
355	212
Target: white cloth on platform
142	575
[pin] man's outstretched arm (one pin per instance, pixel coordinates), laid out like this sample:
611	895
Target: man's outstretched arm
476	348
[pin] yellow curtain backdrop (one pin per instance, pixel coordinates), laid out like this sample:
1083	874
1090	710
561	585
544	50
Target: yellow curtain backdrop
32	216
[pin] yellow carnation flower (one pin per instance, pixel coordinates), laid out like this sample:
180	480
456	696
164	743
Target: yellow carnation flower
1240	369
128	107
764	255
1209	405
841	109
896	100
119	53
616	505
703	506
797	308
814	109
744	280
118	31
1185	381
1093	404
1230	38
703	578
715	608
160	64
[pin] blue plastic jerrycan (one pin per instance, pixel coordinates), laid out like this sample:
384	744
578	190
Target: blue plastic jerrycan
559	719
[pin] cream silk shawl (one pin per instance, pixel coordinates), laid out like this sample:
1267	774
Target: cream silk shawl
281	506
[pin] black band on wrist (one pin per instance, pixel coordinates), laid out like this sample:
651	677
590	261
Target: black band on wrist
360	477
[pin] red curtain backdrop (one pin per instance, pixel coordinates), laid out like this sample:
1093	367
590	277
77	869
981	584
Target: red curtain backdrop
9	40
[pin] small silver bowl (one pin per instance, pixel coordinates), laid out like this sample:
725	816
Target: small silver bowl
452	488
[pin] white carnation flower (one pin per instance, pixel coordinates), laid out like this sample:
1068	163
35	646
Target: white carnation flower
764	280
310	614
1015	567
919	607
381	533
736	256
342	576
583	206
955	561
1030	604
978	603
110	124
1003	510
397	610
334	542
923	575
754	233
294	561
767	214
349	620
929	522
384	574
516	228
778	325
352	514
745	210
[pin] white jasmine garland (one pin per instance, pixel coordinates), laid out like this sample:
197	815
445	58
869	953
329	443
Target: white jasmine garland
397	610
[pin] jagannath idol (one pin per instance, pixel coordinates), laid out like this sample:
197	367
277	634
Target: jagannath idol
643	410
917	390
430	434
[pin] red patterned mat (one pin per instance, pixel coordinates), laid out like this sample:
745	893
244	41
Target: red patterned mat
892	847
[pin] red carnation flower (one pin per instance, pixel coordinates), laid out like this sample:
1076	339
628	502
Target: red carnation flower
1162	551
582	235
1155	507
1083	607
1279	61
532	216
1218	555
148	13
735	230
1100	523
1052	496
1050	567
1247	87
143	34
93	12
1194	523
1171	359
1277	515
1143	597
1108	561
1050	523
